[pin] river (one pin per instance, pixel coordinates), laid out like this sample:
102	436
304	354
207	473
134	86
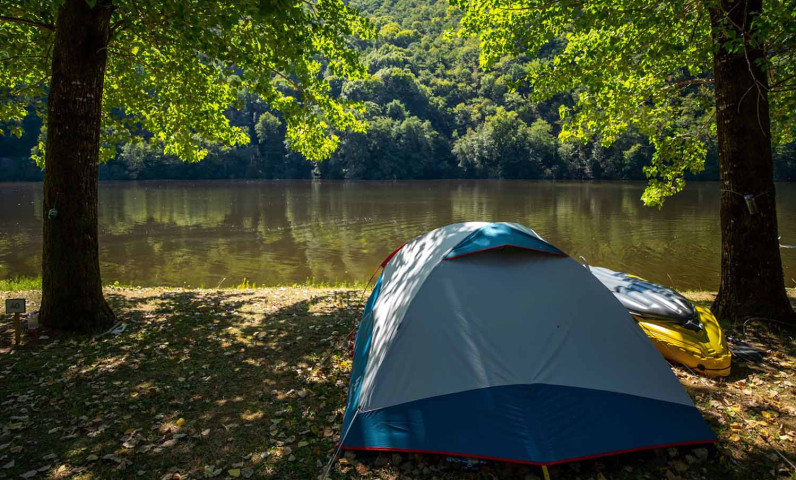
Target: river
218	232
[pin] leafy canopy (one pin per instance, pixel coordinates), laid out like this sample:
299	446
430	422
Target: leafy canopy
176	66
634	64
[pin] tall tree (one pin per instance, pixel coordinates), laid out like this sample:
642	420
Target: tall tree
104	71
679	72
751	270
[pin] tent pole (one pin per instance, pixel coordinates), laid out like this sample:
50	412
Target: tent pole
545	472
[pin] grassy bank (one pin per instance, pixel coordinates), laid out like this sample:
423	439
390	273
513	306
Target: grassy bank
22	284
251	383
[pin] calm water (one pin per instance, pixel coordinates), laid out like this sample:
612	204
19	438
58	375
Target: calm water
206	233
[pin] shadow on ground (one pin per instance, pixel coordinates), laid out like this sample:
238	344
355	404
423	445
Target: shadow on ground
252	383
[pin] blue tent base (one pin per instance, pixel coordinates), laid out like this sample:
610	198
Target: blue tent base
528	462
536	424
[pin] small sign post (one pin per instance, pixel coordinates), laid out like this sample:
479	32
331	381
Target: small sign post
16	306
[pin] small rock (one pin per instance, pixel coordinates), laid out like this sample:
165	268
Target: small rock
211	472
672	452
29	474
701	454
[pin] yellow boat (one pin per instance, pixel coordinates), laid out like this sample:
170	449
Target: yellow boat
683	333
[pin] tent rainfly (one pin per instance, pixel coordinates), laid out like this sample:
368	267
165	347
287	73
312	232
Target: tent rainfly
483	340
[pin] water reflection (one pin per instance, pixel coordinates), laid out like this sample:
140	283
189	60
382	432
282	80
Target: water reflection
200	233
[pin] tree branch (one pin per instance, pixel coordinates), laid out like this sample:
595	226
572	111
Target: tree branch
25	21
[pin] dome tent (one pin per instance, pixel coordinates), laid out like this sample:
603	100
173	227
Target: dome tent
483	340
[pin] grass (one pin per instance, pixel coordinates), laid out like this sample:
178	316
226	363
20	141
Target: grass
245	284
251	383
19	284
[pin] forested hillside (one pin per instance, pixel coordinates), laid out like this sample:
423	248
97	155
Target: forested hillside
432	114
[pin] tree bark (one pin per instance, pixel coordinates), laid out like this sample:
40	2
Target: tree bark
71	286
752	283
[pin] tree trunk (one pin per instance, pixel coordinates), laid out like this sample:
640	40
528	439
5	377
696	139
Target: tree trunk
71	286
752	283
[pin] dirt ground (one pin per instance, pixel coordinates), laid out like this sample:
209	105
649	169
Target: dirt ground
252	384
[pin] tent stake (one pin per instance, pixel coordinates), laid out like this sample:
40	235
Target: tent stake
545	472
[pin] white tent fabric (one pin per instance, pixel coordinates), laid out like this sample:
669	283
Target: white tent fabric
446	344
403	277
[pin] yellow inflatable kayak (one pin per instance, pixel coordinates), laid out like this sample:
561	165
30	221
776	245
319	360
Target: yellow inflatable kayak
682	332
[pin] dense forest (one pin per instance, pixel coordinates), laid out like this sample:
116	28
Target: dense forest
432	113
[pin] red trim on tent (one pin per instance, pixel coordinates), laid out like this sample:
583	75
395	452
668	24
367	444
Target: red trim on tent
526	462
389	257
504	246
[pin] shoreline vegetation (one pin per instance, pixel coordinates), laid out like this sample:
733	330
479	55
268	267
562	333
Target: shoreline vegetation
21	284
33	284
239	382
